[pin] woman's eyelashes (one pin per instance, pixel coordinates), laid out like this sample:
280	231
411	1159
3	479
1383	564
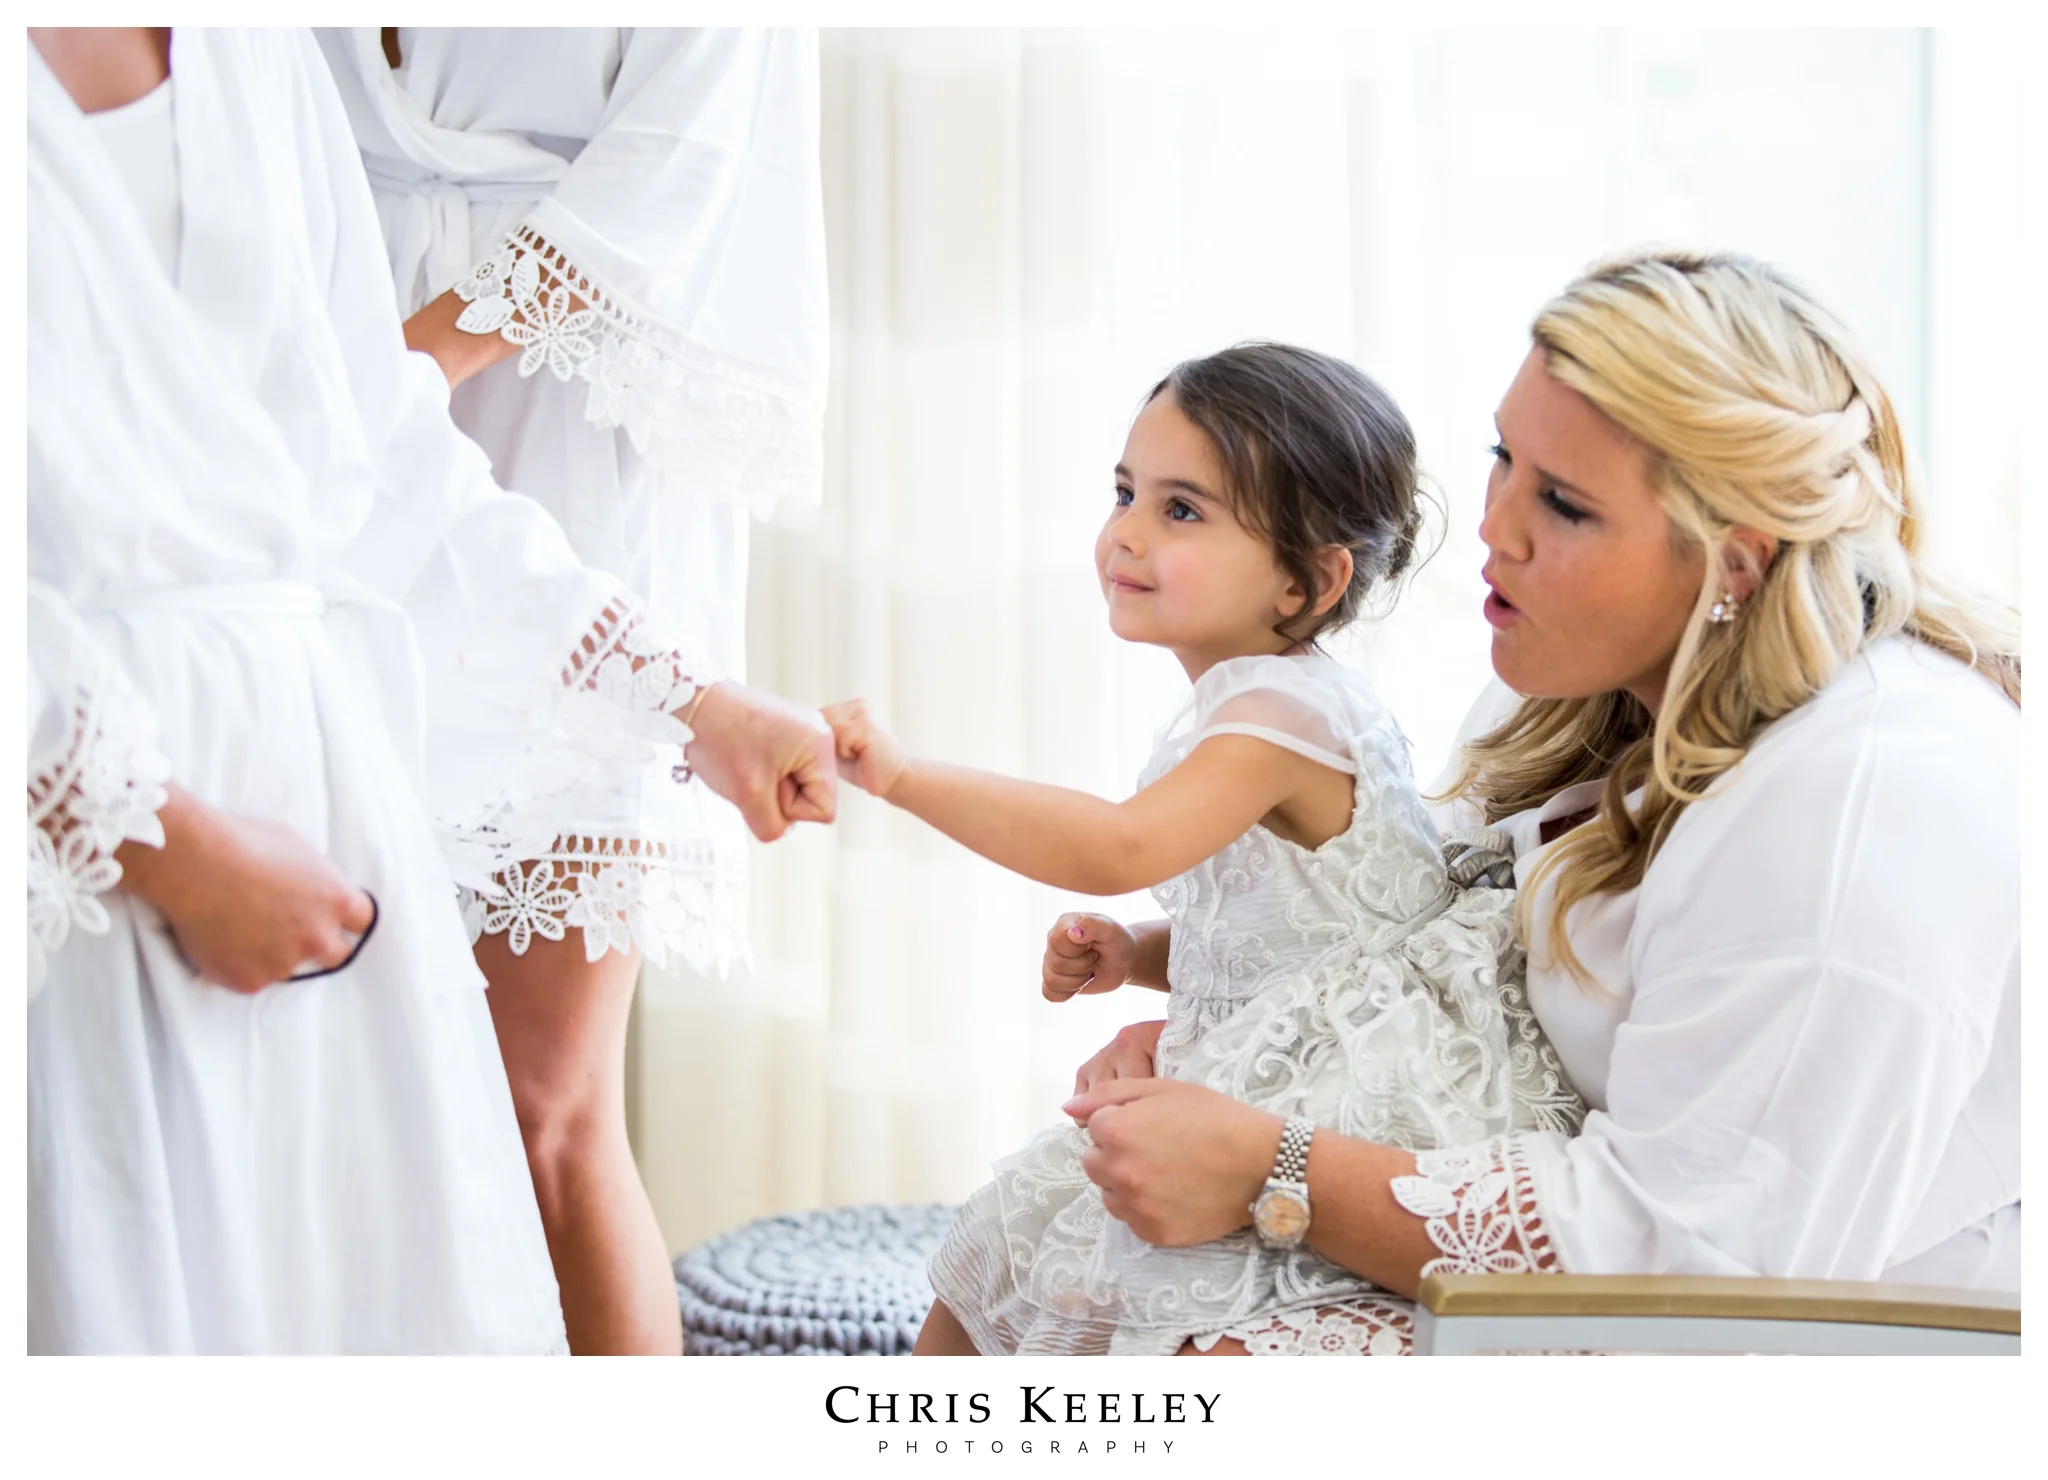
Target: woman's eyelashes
1123	496
1570	513
1556	502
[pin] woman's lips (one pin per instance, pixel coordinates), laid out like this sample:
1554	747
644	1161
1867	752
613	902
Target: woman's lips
1499	610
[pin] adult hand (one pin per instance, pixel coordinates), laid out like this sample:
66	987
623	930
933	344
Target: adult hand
1086	953
1178	1163
869	756
248	900
769	758
1132	1054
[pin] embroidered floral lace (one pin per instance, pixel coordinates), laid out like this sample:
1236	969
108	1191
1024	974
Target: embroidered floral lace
527	872
98	786
1359	1328
738	428
1479	1208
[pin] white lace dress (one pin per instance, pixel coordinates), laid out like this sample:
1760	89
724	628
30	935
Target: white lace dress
1363	984
639	211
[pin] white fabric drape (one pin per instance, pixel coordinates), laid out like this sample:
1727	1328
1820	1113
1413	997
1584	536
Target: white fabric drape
1026	229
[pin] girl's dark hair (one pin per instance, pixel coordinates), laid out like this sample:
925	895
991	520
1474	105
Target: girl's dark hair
1315	454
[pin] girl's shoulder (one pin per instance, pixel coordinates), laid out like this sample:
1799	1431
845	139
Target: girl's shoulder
1311	680
1310	704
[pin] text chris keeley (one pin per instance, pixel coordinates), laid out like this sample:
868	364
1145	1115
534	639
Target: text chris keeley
849	1404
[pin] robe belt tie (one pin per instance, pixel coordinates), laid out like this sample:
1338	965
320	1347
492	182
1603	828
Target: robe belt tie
378	631
432	245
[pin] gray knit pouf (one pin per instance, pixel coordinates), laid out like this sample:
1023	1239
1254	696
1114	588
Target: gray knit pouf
836	1282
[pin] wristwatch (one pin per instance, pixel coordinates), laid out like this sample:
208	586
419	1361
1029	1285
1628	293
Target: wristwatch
1281	1214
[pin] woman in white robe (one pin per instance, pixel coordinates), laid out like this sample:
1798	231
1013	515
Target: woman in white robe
248	517
1764	822
612	242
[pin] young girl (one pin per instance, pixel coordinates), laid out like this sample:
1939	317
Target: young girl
1322	961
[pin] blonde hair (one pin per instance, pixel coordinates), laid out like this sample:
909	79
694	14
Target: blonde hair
1756	409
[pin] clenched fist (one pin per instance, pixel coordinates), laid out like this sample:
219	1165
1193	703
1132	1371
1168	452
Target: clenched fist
869	756
1087	953
770	759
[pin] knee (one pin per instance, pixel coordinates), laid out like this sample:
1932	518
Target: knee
564	1129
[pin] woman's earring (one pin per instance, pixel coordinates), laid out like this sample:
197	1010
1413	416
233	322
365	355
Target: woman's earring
1724	608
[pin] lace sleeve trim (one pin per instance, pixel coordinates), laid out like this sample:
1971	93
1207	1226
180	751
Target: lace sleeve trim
99	786
742	433
1478	1206
525	868
626	662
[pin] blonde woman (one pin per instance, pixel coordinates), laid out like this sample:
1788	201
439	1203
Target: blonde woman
1760	797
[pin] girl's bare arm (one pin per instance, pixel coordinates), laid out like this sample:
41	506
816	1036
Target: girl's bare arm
1072	840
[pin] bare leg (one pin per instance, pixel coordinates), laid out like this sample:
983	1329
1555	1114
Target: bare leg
561	1024
942	1335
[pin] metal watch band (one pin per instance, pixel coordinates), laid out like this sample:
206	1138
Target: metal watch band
1291	1165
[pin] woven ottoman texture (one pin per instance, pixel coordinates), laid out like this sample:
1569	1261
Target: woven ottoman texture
835	1282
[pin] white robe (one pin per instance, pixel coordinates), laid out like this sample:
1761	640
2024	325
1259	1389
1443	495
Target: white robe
249	523
674	174
1806	1059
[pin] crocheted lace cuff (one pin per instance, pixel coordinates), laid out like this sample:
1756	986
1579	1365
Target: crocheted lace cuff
98	786
525	867
1478	1206
739	432
626	662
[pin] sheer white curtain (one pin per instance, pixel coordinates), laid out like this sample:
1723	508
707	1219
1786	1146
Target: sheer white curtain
1027	228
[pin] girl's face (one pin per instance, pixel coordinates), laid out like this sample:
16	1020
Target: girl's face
1590	592
1176	567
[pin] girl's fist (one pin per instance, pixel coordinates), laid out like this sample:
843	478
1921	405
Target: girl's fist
868	755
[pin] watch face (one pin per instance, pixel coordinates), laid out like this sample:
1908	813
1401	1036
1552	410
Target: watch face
1281	1216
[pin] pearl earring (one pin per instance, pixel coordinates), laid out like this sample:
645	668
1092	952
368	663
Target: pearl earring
1724	608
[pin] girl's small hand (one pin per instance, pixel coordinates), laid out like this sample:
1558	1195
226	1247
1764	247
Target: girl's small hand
1178	1163
869	756
1132	1054
1086	953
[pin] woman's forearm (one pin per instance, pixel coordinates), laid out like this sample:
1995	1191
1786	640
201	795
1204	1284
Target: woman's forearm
166	876
1354	1220
459	353
1182	1164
